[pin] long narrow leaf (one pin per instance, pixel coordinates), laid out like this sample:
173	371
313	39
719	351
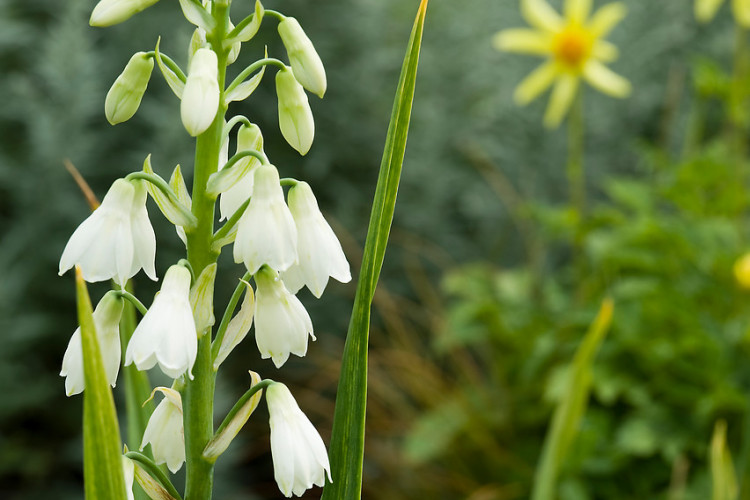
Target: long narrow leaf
348	435
567	417
102	462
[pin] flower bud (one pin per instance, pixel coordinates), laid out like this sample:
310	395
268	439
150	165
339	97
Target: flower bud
306	64
165	431
237	184
126	93
110	12
295	117
200	99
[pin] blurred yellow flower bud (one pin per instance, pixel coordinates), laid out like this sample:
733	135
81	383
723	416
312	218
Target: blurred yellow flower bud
742	271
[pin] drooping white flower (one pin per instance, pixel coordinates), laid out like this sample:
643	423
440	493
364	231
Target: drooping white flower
248	138
116	240
306	64
282	324
299	455
295	116
266	233
124	98
166	334
107	323
110	12
319	252
165	430
200	98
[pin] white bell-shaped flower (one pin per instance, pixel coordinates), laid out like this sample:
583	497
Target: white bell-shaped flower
319	252
295	116
266	233
116	240
107	323
110	12
248	138
200	98
282	324
165	430
299	455
306	64
166	334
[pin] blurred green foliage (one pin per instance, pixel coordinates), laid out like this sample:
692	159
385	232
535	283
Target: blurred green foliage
464	375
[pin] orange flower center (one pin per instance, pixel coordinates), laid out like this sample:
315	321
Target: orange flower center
572	47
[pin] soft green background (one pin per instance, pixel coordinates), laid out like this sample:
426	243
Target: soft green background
461	356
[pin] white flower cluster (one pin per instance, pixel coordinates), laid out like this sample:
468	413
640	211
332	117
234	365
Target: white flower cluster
284	242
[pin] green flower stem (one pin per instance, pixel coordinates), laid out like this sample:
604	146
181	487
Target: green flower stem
259	155
167	190
234	121
133	300
198	395
169	62
575	169
241	402
154	471
288	182
233	301
233	220
273	13
268	61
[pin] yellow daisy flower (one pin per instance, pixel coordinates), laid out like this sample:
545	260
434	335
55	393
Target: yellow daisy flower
574	47
705	10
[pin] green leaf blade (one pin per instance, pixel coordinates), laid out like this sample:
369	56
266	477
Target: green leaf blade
348	435
102	461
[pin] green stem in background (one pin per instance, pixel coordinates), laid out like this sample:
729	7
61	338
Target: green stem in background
348	435
228	226
198	395
133	300
574	169
738	114
571	408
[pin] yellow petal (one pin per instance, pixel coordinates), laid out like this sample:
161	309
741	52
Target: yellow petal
606	18
741	9
604	51
562	97
524	41
605	80
577	11
537	82
539	14
705	10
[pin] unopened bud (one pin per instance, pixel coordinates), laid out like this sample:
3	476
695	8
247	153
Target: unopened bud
295	117
124	98
200	99
306	64
110	12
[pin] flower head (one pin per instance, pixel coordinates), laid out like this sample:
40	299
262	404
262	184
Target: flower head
166	334
299	454
266	233
200	99
116	240
705	10
306	64
282	324
575	48
165	430
320	253
107	322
